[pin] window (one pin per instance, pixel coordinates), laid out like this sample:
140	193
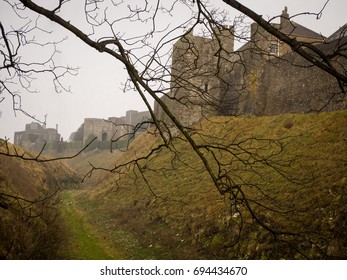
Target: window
274	48
206	87
104	136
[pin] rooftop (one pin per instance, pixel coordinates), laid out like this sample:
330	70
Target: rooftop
292	28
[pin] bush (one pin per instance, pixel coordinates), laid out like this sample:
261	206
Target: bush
288	123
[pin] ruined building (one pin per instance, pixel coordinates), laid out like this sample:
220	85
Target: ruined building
36	135
125	128
104	130
115	127
263	77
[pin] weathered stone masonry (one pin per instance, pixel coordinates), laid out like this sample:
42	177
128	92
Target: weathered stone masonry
35	135
114	127
263	77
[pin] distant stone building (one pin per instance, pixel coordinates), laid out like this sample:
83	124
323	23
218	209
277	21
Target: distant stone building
35	135
114	128
134	118
263	77
104	130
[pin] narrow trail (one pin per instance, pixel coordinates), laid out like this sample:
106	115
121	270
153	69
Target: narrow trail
83	243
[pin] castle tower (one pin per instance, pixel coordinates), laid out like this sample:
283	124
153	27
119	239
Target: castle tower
223	37
198	64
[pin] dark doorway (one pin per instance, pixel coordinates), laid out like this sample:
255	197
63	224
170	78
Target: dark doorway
104	136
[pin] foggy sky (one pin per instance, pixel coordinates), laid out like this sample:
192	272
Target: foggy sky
97	89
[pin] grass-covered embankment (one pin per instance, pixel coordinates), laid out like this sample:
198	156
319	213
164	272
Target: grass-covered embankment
292	168
30	224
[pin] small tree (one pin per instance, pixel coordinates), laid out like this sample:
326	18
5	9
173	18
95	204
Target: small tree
78	134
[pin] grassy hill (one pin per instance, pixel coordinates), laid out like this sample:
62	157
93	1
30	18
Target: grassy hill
29	193
291	168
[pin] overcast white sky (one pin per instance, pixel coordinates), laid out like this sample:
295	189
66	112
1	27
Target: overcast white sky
96	91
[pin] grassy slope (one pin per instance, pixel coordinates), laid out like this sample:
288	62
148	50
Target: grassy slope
37	237
81	164
31	178
181	215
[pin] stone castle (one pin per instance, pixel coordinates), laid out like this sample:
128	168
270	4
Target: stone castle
263	77
36	135
210	78
115	128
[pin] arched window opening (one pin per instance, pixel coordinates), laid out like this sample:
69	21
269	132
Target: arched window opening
104	136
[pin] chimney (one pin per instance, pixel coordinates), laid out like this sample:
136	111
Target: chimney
284	17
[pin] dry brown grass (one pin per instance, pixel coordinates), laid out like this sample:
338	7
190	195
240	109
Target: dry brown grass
30	226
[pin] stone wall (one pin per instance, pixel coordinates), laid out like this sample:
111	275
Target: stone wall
208	78
134	118
35	136
198	63
114	127
283	85
104	130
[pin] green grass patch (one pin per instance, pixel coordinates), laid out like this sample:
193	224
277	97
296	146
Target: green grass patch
82	242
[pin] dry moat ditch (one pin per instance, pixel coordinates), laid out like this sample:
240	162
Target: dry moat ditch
88	240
